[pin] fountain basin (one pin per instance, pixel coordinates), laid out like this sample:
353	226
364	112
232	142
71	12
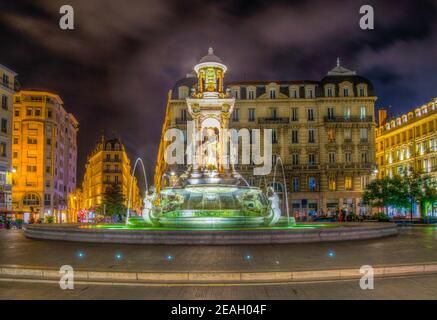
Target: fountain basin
301	233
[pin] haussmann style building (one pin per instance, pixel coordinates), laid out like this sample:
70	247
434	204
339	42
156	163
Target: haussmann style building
7	90
323	131
107	165
44	156
407	144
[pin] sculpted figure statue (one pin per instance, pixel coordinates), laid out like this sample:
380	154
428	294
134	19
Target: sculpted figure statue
149	199
274	201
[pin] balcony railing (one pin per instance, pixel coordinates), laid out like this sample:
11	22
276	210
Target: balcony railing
111	160
348	119
273	120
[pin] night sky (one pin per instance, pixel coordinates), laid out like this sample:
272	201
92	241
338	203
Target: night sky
114	70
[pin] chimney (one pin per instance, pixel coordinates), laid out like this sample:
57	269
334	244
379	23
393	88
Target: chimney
382	116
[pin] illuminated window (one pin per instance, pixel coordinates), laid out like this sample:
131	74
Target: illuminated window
332	184
348	183
31	199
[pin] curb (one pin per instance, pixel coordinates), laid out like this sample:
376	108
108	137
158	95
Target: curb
216	277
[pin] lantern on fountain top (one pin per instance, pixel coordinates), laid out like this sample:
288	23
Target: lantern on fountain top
210	73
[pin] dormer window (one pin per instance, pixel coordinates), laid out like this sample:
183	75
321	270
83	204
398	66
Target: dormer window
294	92
272	94
346	92
329	93
251	94
236	93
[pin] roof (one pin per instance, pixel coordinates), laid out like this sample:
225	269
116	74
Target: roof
341	71
210	57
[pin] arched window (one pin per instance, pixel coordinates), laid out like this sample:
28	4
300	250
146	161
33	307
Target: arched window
31	199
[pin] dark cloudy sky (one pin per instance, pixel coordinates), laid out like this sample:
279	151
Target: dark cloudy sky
114	70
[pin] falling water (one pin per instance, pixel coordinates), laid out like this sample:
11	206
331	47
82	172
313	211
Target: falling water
278	159
131	185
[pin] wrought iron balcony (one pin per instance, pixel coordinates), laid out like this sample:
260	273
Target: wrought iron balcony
348	119
282	120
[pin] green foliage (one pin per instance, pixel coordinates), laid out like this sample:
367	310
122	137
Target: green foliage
400	191
113	202
50	219
381	217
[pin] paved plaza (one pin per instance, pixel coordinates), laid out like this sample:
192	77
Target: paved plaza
418	287
412	245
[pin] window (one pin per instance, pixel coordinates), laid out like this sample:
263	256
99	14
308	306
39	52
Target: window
116	179
274	113
294	136
311	159
312	184
49	113
347	112
236	93
3	149
15	140
31	199
310	114
37	112
116	157
332	184
361	92
363	134
17	112
251	94
295	159
295	184
49	141
47	199
31	168
362	112
364	157
31	140
347	135
346	92
311	136
348	183
272	94
28	112
108	157
274	137
348	157
15	154
251	115
330	93
5	102
310	93
331	157
330	113
236	115
294	93
4	125
6	80
294	116
48	169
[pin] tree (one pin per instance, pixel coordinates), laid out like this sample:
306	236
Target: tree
428	193
113	202
382	193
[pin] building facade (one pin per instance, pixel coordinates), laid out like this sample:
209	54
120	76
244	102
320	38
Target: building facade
44	155
323	131
408	144
107	165
7	90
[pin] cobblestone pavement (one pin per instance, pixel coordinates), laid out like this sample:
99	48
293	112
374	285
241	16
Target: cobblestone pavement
419	287
412	245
